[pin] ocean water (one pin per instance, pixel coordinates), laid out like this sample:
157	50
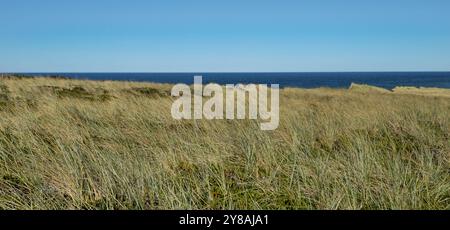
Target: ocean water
386	80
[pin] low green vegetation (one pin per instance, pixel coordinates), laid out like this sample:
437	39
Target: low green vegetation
149	92
72	144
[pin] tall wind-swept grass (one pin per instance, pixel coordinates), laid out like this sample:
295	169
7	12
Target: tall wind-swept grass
69	144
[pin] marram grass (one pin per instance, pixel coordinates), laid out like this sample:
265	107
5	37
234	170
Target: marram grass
69	144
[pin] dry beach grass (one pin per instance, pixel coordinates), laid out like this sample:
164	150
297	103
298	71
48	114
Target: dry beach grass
72	144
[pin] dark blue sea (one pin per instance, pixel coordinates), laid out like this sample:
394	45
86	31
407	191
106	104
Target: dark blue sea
387	80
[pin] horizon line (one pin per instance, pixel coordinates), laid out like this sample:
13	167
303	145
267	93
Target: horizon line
208	72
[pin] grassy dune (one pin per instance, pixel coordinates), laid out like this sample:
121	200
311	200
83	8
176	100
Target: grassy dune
69	144
423	91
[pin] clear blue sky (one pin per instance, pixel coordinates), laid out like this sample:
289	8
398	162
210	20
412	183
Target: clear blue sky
231	35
